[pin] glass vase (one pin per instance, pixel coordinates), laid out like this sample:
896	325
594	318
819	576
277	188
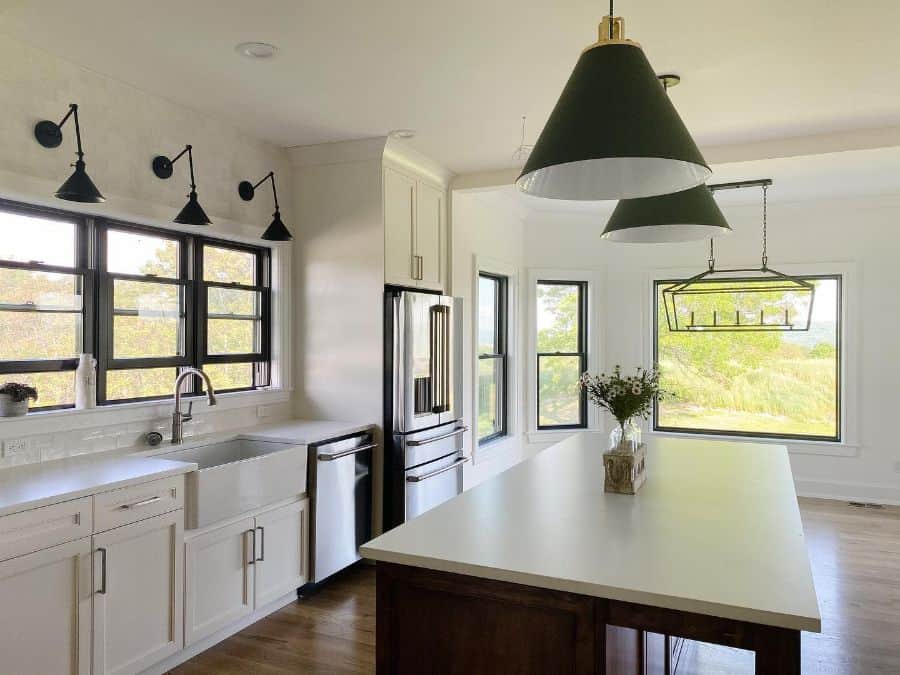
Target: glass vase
625	438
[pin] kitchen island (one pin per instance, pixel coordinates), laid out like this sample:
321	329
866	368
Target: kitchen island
535	570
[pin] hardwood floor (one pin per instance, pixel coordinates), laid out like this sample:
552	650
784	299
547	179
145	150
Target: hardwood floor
855	556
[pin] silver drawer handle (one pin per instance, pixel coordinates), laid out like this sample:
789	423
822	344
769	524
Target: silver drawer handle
324	457
143	502
455	432
426	476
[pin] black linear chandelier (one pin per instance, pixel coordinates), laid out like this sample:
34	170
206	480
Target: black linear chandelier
192	213
78	187
276	231
740	299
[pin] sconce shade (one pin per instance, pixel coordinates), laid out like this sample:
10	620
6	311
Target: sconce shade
192	213
277	231
80	188
614	134
688	215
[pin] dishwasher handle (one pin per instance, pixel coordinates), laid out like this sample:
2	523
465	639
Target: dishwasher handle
325	457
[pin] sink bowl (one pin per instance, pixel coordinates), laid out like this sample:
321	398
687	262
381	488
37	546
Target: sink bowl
240	475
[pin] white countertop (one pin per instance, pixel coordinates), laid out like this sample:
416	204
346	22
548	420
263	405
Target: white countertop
32	485
306	431
715	530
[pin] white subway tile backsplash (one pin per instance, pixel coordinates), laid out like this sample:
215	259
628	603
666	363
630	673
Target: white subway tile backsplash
56	441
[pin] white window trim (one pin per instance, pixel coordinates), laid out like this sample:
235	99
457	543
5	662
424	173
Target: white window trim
595	327
848	446
487	265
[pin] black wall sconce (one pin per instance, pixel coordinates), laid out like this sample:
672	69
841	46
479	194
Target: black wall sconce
79	187
277	231
192	213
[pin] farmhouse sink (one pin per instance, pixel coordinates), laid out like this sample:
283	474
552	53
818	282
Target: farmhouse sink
239	475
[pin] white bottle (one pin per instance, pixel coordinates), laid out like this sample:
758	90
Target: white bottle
86	382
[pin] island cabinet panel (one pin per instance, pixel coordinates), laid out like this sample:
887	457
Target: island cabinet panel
443	623
428	623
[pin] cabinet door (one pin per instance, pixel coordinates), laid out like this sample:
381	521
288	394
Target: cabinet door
138	585
429	235
219	572
400	265
283	551
45	626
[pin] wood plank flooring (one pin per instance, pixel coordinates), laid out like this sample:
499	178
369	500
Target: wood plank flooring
855	556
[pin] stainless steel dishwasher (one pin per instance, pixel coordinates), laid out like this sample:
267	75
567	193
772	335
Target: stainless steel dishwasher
340	488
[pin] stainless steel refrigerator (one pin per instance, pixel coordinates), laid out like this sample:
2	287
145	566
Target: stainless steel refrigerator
423	403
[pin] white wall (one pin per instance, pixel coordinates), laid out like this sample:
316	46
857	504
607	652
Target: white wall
492	237
123	129
861	234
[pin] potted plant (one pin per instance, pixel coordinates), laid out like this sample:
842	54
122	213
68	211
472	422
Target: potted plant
626	398
14	399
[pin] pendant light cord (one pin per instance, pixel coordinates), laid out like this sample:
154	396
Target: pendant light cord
712	255
765	257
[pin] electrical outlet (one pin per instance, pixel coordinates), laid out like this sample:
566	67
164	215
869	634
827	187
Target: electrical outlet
897	467
14	446
263	411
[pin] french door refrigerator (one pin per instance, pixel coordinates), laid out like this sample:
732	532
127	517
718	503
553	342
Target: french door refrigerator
422	403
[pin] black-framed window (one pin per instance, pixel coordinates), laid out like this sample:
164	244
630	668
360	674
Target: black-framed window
493	356
134	296
767	384
561	314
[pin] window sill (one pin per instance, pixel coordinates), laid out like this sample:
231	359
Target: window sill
555	435
794	446
70	418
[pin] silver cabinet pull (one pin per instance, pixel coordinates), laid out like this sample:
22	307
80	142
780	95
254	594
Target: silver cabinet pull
421	267
426	441
262	544
102	552
438	472
143	502
325	457
252	534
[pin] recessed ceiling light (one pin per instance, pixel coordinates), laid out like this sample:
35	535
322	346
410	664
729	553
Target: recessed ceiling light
256	50
402	133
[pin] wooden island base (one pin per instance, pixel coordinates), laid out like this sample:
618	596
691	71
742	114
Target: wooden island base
432	623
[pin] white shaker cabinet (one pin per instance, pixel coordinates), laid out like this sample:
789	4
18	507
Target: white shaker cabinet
240	567
414	231
138	594
219	569
283	538
46	620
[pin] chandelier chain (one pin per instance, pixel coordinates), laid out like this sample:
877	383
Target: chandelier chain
765	257
611	16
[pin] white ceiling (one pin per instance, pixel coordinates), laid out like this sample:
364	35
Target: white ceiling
462	73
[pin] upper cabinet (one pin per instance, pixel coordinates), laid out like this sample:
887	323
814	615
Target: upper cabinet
415	233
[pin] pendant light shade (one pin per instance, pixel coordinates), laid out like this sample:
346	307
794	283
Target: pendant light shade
277	230
192	213
78	187
614	133
688	215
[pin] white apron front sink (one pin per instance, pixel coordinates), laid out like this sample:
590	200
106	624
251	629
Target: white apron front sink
240	475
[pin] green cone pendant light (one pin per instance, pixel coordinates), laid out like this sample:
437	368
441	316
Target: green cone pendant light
688	215
276	231
78	187
192	213
613	134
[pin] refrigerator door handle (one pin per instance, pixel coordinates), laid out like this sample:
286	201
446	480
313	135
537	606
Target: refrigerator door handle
425	476
435	439
440	360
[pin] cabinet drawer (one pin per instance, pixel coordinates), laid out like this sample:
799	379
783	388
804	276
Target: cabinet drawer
47	526
131	504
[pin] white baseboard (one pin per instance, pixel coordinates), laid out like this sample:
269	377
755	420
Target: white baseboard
207	642
849	492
